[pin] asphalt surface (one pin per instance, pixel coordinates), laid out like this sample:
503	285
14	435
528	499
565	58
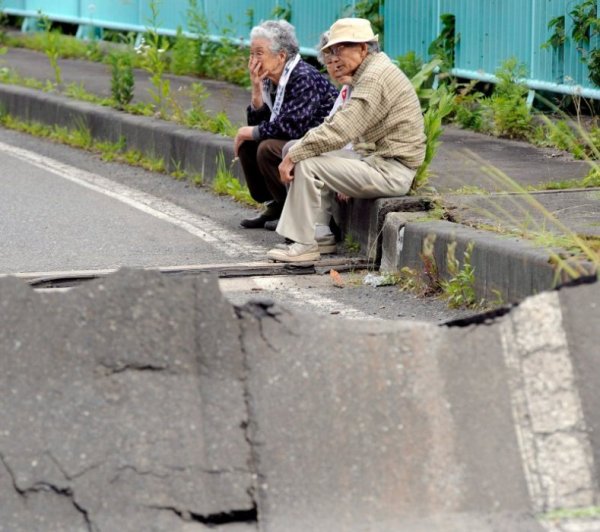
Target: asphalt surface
52	224
464	159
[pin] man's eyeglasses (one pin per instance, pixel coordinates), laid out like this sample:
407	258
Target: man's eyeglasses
336	49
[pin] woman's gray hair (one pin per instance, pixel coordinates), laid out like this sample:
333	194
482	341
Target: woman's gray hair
280	33
323	40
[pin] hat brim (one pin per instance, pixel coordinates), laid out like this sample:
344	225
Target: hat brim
338	41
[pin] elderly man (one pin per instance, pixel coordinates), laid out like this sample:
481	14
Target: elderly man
382	120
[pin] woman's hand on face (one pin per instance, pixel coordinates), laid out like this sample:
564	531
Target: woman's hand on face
256	76
256	79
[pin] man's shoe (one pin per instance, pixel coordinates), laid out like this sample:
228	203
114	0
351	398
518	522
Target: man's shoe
326	244
271	225
272	212
295	253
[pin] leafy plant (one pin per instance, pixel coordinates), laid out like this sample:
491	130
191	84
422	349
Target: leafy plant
224	60
372	10
52	47
351	244
153	50
410	63
183	58
508	104
585	25
282	12
441	104
444	45
585	21
459	290
122	79
225	184
558	37
469	112
197	116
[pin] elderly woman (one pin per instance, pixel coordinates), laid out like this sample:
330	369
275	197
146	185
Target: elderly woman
383	121
289	97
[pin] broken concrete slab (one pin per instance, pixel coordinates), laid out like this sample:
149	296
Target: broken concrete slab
360	426
139	401
108	407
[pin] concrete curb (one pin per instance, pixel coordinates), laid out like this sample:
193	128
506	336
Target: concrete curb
180	147
506	268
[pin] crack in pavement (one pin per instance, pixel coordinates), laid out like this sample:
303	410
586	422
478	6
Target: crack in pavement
43	486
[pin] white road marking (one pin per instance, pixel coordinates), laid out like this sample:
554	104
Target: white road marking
287	287
227	242
548	414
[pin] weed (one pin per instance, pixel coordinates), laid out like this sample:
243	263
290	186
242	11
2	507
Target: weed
470	190
197	179
183	57
178	173
282	12
508	104
444	45
572	513
351	243
122	80
225	184
459	290
140	108
52	47
110	151
440	106
558	37
197	116
468	110
224	60
372	10
152	51
430	283
409	63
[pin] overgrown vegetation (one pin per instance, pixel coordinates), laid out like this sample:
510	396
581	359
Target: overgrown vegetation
122	79
458	288
226	184
81	137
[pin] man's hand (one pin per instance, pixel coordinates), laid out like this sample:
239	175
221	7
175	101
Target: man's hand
286	170
342	198
244	133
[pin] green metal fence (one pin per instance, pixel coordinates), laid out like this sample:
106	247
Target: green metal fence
488	31
491	31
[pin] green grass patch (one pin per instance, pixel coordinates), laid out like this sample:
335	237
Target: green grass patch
226	184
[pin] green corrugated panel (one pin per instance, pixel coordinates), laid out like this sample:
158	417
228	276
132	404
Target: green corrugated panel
313	17
410	26
117	11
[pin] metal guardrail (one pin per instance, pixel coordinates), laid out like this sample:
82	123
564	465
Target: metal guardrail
491	31
488	32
